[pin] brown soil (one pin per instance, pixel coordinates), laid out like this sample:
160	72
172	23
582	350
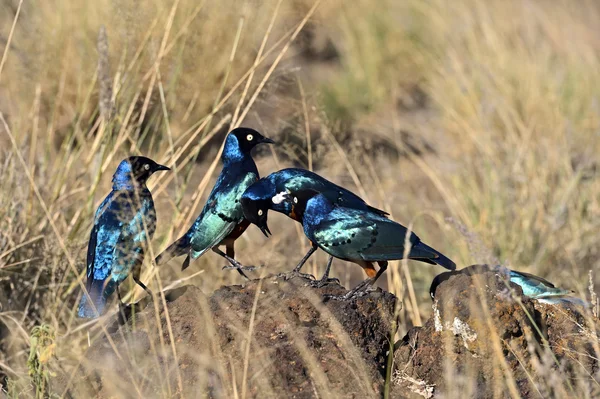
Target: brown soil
301	346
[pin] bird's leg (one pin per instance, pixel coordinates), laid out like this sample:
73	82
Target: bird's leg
136	278
230	251
296	271
364	285
234	263
121	305
325	279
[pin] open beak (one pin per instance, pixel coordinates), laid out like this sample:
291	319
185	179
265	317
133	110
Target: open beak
162	167
267	140
265	230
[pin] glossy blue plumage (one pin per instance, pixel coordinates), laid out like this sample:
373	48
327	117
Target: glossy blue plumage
361	236
123	224
533	286
222	220
292	180
536	287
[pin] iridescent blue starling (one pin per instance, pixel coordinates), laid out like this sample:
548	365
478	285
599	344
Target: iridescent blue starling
359	236
221	221
268	193
124	224
533	286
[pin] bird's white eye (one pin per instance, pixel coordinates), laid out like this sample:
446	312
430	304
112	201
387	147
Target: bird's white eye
295	200
250	137
146	166
260	212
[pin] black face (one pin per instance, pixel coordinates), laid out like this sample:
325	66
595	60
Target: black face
298	200
249	138
142	168
256	211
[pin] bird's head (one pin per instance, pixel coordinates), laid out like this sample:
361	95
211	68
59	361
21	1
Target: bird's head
297	201
137	169
240	141
256	202
256	211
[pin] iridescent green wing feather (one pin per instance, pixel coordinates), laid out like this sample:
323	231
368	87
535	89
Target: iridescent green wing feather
367	236
222	213
344	234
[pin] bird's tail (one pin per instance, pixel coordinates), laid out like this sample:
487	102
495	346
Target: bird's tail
425	253
178	248
93	301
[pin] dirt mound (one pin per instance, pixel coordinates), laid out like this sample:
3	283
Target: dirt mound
507	344
277	337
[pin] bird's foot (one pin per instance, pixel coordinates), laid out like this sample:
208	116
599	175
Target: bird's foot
235	265
244	268
323	282
347	297
294	273
358	291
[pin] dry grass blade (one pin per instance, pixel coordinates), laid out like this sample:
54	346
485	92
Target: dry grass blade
10	36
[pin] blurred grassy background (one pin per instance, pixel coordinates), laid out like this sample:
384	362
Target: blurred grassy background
476	123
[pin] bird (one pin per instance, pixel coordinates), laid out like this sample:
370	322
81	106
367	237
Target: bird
533	286
268	192
124	223
222	221
359	236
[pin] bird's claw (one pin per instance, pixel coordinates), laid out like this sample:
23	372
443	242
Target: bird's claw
323	282
245	268
292	274
347	297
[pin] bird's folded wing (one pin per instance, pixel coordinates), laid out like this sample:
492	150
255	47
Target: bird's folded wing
114	226
222	213
345	234
535	286
100	219
389	241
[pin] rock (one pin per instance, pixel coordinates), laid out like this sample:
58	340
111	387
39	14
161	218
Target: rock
268	338
486	339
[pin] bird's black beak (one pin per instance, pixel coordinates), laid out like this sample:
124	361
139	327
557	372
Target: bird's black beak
265	230
267	140
288	198
162	167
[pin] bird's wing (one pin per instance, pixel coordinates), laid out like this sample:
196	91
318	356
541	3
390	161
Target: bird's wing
117	236
302	179
91	252
133	239
101	230
348	199
389	239
345	234
535	286
532	277
222	212
372	237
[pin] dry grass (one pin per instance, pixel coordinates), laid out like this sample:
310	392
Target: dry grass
485	112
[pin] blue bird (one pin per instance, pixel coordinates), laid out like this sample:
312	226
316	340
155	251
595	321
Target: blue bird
221	221
359	236
123	225
533	286
268	194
